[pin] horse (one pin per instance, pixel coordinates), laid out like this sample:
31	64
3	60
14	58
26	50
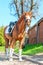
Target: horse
18	33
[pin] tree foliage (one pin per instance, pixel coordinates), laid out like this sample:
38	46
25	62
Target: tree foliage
2	41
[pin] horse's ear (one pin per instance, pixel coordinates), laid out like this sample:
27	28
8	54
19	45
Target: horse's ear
30	12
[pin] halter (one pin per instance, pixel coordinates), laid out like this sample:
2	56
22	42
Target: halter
26	19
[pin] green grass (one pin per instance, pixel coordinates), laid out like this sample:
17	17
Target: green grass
30	49
2	48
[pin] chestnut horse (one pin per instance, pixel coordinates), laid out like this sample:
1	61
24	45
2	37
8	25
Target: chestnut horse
18	33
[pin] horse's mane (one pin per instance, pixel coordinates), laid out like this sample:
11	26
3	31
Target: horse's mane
21	18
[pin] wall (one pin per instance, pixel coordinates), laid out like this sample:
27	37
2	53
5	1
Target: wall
36	33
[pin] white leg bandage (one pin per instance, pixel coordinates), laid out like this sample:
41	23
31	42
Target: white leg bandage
7	52
20	55
11	54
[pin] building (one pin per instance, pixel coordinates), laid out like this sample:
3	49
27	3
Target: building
36	32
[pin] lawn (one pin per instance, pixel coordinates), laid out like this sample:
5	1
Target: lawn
33	49
2	48
30	49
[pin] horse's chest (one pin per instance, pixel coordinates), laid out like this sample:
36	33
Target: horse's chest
21	28
20	36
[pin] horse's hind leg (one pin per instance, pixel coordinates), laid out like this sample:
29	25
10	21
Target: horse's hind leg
6	48
7	38
11	50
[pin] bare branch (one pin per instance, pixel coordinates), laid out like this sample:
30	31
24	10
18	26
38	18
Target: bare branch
25	5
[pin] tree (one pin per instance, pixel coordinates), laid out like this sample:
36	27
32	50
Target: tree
2	41
25	5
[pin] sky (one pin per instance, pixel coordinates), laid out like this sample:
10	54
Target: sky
6	17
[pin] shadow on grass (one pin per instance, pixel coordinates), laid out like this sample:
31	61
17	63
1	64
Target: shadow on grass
31	49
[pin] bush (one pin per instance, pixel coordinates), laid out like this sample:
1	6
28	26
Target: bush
2	41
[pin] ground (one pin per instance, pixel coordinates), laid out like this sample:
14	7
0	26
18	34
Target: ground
27	60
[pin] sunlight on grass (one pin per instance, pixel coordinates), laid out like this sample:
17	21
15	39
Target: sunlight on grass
2	48
30	49
16	50
33	51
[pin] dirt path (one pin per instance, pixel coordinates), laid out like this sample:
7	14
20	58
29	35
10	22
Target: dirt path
27	60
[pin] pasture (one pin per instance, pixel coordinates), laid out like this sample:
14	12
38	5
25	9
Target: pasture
30	49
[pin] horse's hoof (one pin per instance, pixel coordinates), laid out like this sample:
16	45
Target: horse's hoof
10	59
21	60
6	57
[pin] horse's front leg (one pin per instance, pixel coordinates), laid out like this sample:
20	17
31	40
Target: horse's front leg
20	49
11	50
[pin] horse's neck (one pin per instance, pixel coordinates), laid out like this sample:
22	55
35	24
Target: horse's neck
21	24
20	19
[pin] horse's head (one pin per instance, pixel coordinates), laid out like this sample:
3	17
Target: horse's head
27	17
